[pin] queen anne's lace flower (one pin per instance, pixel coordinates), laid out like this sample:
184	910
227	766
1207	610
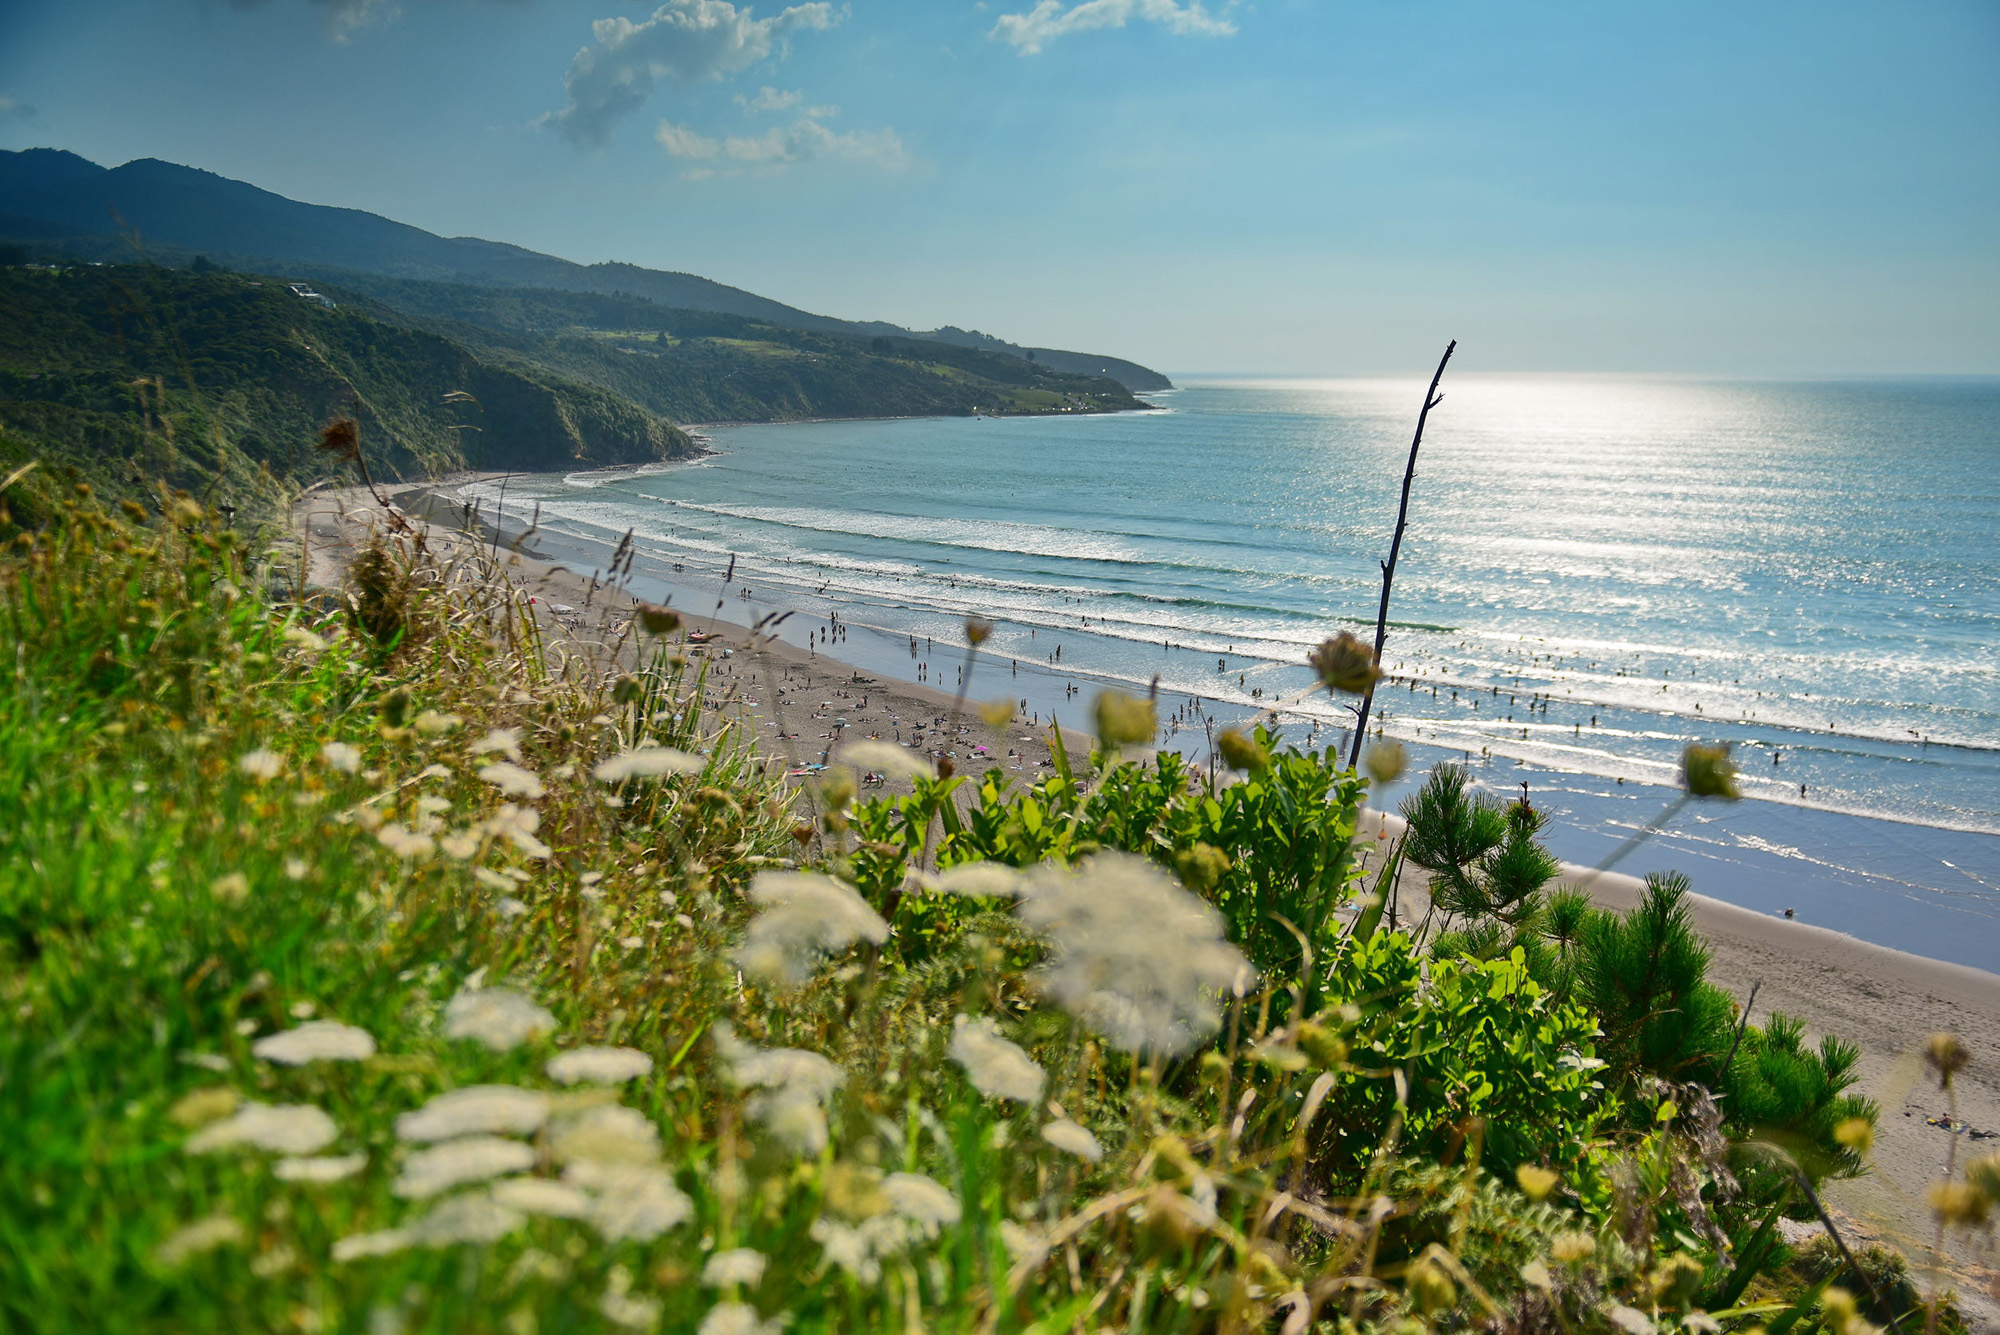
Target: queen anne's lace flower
742	1265
647	761
203	1235
456	1162
341	757
887	757
506	1110
997	1068
631	1202
805	917
540	1195
499	1017
290	1128
316	1041
737	1319
797	1084
262	764
1073	1138
502	741
512	780
599	1066
332	1168
978	879
1132	954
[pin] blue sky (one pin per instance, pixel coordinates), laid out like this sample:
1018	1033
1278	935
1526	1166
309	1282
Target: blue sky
1295	186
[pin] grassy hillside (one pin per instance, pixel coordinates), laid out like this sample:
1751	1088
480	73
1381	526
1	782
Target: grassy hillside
369	967
47	193
704	366
216	383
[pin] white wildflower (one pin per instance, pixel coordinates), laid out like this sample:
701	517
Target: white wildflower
433	724
648	760
921	1200
794	1119
316	1041
304	640
231	888
1073	1138
499	1017
740	1265
203	1235
509	907
776	1068
1132	954
491	879
599	1066
1630	1319
860	1249
460	844
517	825
1022	1242
607	1134
289	1128
500	741
631	1202
356	1246
341	757
633	1313
512	780
262	764
329	1168
887	758
978	879
456	1162
539	1195
506	1110
737	1319
405	843
997	1068
473	1217
805	916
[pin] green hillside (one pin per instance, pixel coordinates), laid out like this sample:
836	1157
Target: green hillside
707	366
216	383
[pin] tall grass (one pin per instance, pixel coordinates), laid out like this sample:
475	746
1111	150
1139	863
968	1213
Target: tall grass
1141	1059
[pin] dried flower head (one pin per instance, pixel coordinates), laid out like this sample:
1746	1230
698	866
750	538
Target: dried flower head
1132	954
1946	1056
656	619
1535	1182
806	916
499	1017
1958	1204
1707	771
977	632
599	1066
341	438
316	1041
476	1110
1241	751
1123	720
1857	1134
1345	664
1385	761
996	1067
1572	1247
649	760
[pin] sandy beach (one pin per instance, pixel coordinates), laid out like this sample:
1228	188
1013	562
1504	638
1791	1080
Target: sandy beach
802	702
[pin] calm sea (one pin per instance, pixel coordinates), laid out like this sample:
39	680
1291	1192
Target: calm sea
1598	570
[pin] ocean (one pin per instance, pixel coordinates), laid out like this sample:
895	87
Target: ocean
1598	570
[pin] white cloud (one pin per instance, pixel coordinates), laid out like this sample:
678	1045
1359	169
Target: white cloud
14	109
344	17
769	99
685	41
803	140
1048	20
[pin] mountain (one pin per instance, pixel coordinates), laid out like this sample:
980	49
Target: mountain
49	193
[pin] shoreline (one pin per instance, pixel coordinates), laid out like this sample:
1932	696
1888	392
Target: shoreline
1884	1000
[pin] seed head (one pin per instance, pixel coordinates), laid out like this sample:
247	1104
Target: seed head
1535	1182
1946	1056
977	631
341	438
1345	664
657	620
1240	751
1123	720
1385	761
1707	771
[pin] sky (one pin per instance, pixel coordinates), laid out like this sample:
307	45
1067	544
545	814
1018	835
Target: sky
1302	187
